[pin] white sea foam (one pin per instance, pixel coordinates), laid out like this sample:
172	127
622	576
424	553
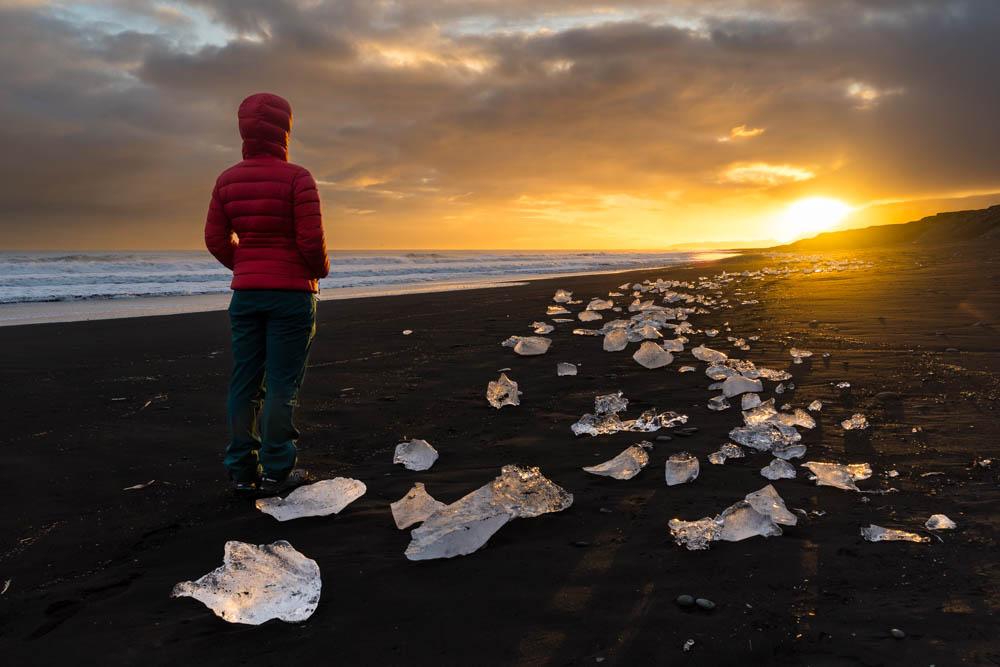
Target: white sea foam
71	276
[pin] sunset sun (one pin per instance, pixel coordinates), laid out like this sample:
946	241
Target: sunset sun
810	215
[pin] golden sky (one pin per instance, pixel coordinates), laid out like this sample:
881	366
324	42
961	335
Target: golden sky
499	123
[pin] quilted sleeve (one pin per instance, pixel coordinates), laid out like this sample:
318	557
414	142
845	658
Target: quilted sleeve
309	225
219	232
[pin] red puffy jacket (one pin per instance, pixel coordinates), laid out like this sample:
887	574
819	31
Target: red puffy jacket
264	221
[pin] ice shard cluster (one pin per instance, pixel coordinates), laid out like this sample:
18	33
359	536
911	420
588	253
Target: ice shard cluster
759	513
605	418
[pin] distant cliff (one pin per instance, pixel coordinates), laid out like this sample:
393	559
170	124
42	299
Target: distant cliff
952	227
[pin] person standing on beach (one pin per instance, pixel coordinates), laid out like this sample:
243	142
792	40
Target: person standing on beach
264	223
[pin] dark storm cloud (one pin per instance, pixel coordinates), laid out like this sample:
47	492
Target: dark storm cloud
418	112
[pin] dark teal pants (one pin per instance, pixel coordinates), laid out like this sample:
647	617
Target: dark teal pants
272	333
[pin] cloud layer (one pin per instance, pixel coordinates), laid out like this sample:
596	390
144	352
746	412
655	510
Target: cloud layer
493	123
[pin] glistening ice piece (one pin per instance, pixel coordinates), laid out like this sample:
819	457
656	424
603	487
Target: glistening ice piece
651	355
503	391
415	455
874	533
328	496
564	368
414	507
257	583
703	353
624	466
468	523
838	475
681	468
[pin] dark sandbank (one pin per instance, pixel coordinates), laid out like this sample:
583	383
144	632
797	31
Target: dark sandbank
91	566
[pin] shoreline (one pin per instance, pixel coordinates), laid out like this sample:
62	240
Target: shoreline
85	310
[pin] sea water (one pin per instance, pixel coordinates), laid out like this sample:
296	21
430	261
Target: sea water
120	283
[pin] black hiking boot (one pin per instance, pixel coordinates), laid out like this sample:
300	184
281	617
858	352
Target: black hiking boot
270	486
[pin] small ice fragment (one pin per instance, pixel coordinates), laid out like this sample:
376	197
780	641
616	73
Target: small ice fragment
778	469
735	385
703	353
624	466
542	327
589	316
761	413
532	345
673	345
600	304
892	473
468	523
503	391
610	403
727	451
563	319
798	355
718	403
556	310
874	533
681	468
564	368
695	535
780	389
856	422
136	487
741	521
749	401
688	645
415	455
816	406
711	333
562	296
837	475
802	418
767	502
328	496
414	507
789	451
686	369
940	522
257	583
407	332
651	355
843	385
615	340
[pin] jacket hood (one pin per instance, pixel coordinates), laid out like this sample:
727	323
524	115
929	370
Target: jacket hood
265	121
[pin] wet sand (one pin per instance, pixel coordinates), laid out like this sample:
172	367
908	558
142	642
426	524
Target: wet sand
93	407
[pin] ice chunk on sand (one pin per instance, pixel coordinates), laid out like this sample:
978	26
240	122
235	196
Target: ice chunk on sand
762	413
681	468
647	332
816	406
940	522
727	451
564	368
767	502
615	340
468	523
414	507
798	355
838	475
562	296
257	583
415	455
686	369
542	327
610	403
626	465
749	401
874	533
589	316
735	385
711	333
529	345
503	391
651	355
556	310
605	418
778	469
673	345
600	304
843	385
703	353
718	403
741	521
856	422
787	452
695	535
327	496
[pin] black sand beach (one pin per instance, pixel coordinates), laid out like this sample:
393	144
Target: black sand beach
94	407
